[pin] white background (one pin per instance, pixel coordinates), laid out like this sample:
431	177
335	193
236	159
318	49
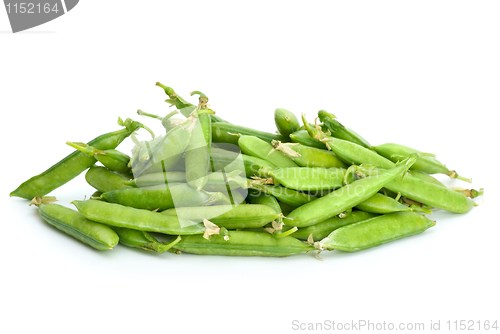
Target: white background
425	74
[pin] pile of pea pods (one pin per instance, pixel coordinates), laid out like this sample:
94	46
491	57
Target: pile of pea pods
207	186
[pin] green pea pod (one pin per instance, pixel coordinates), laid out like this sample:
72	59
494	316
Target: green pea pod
143	240
231	161
375	231
136	219
323	229
431	194
217	119
175	100
105	180
303	137
308	178
286	122
111	159
306	156
74	164
163	197
349	152
229	133
346	197
243	243
425	177
228	216
379	203
197	158
427	164
285	195
261	198
75	224
337	130
256	147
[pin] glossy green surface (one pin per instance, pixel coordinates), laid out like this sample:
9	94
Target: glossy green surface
376	231
136	219
72	222
286	122
256	147
243	243
105	180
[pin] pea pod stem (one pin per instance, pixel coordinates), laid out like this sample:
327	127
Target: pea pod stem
184	107
143	113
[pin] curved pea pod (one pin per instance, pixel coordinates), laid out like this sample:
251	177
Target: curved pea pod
302	137
175	100
74	164
345	198
136	219
290	197
111	159
376	231
230	161
228	216
323	229
229	133
143	240
427	164
256	147
243	243
349	152
337	130
286	122
75	224
379	203
306	156
162	197
308	178
431	194
105	180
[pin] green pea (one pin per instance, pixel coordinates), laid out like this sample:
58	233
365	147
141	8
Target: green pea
337	130
143	240
258	148
75	224
286	122
111	159
344	198
136	219
427	164
105	180
376	231
323	229
228	216
303	137
243	243
74	164
162	197
306	156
